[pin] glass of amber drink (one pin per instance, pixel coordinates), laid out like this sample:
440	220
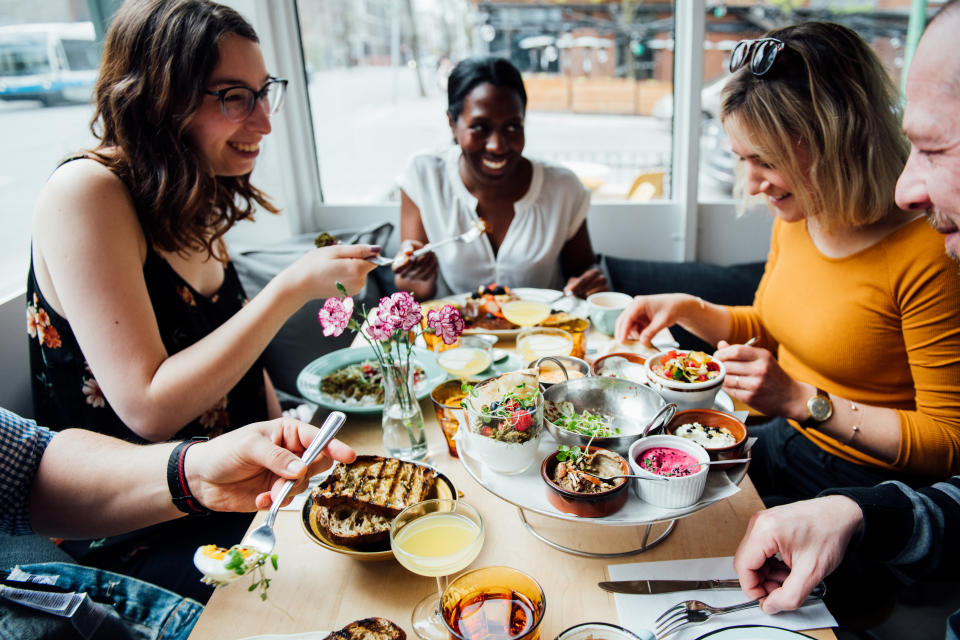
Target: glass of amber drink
493	603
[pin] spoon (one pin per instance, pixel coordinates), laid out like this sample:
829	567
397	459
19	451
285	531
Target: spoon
654	476
262	539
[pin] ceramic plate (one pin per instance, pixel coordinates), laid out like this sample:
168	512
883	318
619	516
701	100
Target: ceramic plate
574	306
308	382
443	488
753	632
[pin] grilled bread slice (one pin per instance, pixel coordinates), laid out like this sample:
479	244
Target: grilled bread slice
369	629
345	525
374	484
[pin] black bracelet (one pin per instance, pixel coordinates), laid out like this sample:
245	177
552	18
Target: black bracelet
183	499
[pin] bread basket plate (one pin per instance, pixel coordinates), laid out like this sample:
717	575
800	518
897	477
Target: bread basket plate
307	635
308	382
442	488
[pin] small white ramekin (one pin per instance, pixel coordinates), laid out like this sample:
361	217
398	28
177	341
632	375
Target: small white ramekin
669	492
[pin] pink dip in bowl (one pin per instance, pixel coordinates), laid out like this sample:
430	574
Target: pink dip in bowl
667	461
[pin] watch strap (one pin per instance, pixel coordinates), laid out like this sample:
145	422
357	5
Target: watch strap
183	498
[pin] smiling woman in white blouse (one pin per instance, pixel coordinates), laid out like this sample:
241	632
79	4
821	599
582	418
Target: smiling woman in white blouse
534	213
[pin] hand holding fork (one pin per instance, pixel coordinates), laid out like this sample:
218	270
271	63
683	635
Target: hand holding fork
691	612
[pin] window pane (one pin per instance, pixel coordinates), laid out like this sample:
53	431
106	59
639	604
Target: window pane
884	27
595	73
47	75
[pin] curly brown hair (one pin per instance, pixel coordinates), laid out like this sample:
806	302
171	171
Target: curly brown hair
157	56
827	91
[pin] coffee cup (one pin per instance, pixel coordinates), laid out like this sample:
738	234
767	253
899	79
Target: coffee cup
605	307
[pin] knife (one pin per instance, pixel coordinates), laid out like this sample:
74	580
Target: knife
647	587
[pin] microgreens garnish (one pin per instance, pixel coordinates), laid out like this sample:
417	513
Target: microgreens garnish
255	566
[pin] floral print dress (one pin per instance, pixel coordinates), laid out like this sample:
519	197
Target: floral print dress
66	392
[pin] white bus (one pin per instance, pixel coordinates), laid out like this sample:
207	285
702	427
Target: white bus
49	62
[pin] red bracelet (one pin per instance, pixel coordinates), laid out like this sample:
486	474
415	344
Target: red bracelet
183	499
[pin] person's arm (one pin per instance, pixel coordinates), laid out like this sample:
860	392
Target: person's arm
645	316
578	262
87	235
90	485
416	275
754	377
913	530
890	522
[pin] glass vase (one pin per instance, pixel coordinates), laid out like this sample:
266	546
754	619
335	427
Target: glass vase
403	434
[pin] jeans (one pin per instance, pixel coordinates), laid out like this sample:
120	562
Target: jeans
137	610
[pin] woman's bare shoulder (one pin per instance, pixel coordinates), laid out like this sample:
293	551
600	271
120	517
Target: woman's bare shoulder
84	196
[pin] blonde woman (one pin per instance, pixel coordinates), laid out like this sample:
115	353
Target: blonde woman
857	317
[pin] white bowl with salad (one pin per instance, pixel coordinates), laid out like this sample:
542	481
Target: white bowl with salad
504	422
691	379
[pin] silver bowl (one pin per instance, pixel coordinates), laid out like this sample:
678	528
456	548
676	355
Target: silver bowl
637	409
563	365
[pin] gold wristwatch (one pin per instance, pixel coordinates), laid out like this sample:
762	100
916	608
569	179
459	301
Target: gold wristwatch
819	409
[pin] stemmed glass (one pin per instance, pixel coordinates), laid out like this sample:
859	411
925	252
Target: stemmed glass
465	358
435	538
525	313
537	342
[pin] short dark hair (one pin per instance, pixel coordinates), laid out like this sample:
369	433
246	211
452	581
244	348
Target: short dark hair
471	72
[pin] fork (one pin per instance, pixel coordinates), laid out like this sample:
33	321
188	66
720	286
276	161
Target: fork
691	612
262	539
469	235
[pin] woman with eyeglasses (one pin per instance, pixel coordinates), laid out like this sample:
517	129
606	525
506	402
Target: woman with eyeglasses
534	213
139	327
858	356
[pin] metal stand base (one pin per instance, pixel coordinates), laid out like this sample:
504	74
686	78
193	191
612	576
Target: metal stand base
645	545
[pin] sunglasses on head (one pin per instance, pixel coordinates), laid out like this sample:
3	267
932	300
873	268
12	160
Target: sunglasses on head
760	55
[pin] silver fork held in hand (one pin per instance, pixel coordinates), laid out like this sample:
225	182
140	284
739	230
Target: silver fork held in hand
262	539
691	612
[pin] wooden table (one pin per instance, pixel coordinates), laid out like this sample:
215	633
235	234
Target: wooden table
318	589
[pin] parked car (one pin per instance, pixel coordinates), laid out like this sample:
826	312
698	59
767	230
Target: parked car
49	62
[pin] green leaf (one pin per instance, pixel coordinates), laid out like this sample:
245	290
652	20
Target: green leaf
273	561
234	560
342	289
253	587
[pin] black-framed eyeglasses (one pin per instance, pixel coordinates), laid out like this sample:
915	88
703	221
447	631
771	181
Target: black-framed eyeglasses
759	53
237	103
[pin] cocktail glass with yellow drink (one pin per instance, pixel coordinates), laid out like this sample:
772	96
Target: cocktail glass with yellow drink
466	357
525	313
436	538
536	342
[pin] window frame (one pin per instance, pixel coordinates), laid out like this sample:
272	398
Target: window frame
670	226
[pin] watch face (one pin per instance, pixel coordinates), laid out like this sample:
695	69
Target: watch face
819	408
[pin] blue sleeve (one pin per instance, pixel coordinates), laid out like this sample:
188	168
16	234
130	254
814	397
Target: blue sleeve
22	444
914	530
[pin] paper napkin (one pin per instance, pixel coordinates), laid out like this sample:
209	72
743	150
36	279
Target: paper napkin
638	612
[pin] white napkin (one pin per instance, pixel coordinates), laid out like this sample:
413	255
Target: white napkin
638	612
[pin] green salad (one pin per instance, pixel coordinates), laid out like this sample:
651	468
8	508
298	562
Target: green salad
360	383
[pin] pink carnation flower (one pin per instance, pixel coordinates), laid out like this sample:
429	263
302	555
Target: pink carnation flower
377	329
400	311
335	315
446	322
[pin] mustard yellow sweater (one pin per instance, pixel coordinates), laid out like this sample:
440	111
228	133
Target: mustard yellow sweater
880	327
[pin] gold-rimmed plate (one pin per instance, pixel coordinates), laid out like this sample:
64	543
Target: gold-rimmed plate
442	488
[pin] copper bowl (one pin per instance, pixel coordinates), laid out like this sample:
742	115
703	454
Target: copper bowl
585	505
714	418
